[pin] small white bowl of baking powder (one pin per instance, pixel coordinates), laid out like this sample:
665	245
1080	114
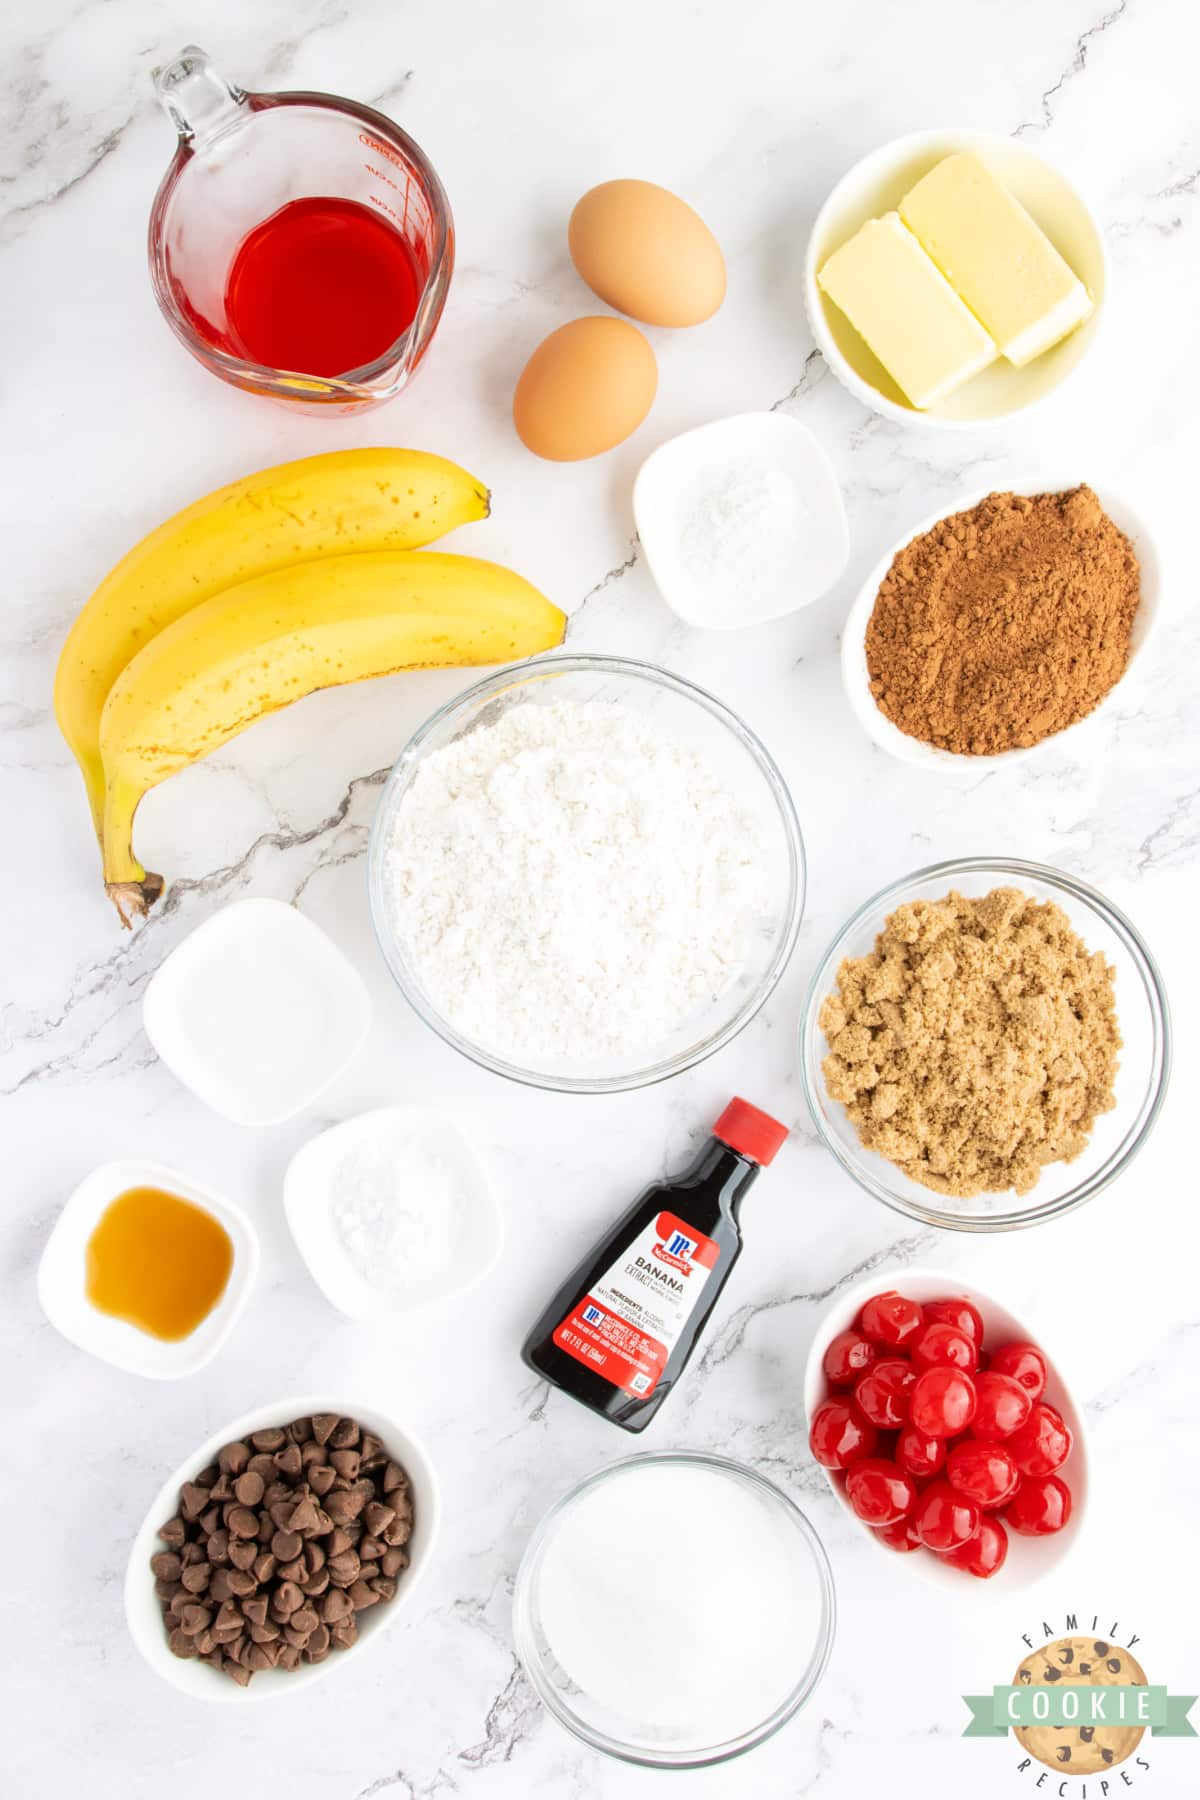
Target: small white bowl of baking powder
741	520
392	1210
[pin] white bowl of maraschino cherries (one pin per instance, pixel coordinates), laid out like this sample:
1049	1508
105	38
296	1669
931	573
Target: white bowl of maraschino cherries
947	1430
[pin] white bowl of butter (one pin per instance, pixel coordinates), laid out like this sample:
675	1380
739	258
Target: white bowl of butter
875	189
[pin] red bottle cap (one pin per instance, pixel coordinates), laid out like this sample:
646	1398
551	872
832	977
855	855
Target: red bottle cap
750	1132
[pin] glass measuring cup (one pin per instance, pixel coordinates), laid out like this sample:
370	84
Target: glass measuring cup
241	157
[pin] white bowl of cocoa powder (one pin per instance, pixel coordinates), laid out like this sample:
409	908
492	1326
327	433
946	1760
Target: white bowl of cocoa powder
1001	624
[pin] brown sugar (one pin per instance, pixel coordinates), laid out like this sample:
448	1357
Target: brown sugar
1004	624
976	1043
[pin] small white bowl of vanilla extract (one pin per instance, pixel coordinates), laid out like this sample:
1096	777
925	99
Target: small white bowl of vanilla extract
147	1270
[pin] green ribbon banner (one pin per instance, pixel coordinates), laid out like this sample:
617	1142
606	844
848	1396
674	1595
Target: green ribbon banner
994	1714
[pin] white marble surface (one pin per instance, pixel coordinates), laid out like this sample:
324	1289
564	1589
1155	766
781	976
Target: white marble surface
752	112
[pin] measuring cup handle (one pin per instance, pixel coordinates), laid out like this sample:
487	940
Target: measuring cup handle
199	102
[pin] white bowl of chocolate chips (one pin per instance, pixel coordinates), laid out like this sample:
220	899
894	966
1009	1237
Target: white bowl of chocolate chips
264	1562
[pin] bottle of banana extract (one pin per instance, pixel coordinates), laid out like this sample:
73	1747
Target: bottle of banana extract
619	1332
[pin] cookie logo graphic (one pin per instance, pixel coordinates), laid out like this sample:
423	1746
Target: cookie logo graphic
1084	1749
1081	1705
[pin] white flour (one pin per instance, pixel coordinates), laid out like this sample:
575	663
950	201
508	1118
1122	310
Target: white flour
571	881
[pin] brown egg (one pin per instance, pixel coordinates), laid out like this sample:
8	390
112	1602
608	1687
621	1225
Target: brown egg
647	253
584	389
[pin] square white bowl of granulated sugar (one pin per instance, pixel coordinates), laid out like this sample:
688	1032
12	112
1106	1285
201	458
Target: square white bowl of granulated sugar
741	520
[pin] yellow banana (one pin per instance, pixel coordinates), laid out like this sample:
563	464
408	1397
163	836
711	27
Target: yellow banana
347	500
266	642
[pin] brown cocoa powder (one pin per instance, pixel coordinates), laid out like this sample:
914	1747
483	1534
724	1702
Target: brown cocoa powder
1004	624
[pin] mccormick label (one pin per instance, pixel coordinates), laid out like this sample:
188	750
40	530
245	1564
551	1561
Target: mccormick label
626	1326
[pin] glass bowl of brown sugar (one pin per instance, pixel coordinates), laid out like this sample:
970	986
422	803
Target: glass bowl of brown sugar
936	1102
1002	625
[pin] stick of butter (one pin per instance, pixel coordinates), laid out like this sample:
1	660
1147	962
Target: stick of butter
896	298
996	257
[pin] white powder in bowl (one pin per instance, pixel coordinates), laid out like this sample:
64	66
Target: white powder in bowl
680	1599
401	1210
744	531
741	520
571	881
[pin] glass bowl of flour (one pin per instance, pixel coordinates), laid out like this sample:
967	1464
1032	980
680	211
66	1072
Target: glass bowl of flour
674	1610
586	873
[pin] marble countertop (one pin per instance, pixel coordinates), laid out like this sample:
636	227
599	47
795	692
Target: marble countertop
109	427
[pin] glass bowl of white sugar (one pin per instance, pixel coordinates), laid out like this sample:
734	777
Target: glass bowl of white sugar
674	1610
586	873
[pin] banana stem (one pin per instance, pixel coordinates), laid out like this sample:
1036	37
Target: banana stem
130	888
133	899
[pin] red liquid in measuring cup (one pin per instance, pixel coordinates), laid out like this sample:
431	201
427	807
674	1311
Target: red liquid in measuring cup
322	287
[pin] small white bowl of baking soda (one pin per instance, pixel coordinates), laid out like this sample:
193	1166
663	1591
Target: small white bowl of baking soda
741	520
391	1211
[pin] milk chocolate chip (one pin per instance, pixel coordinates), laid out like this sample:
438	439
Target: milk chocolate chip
279	1544
378	1517
286	1600
289	1462
271	1439
343	1505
